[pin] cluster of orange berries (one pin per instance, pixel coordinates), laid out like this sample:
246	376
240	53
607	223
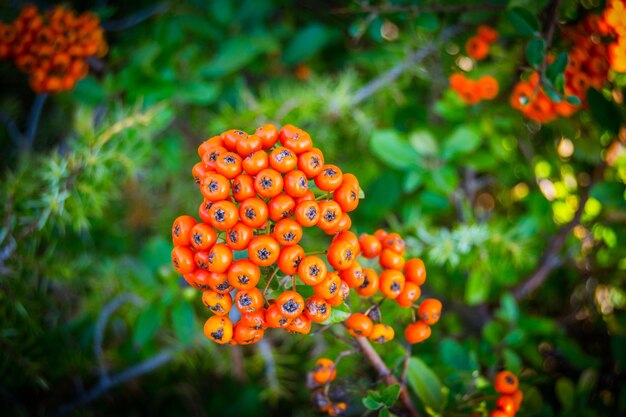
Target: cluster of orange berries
486	87
614	17
256	203
587	66
510	399
399	280
323	373
52	47
478	45
474	91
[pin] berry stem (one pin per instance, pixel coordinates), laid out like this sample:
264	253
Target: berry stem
269	281
322	197
385	374
318	252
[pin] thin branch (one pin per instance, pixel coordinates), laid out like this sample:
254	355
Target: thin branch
270	364
101	323
134	19
551	259
393	73
33	120
147	366
444	8
385	374
405	365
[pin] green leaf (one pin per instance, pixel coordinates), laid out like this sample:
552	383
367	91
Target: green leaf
390	394
424	142
524	22
456	356
603	111
425	383
371	402
198	92
307	42
462	141
236	53
512	361
184	322
565	392
508	310
338	314
477	288
89	91
557	66
573	100
445	179
427	21
394	151
147	324
535	50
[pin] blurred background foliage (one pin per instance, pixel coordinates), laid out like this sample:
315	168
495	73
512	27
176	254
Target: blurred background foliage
492	202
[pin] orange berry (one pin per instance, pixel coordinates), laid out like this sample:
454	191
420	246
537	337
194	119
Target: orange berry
409	295
391	283
391	260
263	250
243	274
505	382
430	310
477	48
324	371
359	325
417	332
312	270
381	333
370	283
317	309
182	259
219	304
219	329
415	271
181	230
249	300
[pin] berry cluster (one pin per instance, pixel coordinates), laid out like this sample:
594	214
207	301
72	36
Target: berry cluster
52	47
257	201
398	280
478	45
510	399
474	91
615	22
587	66
323	373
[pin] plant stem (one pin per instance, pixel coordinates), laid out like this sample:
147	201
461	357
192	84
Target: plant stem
385	374
33	120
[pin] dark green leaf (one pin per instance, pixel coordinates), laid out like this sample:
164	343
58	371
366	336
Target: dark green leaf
565	392
557	67
603	111
371	403
509	310
147	324
425	383
184	322
456	356
573	100
393	150
235	53
308	42
89	91
390	394
524	22
198	92
535	51
427	21
463	140
477	288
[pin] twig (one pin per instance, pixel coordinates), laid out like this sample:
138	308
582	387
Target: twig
101	323
393	73
134	19
270	364
385	374
102	386
445	8
551	259
33	119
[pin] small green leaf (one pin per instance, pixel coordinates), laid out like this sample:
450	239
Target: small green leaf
184	322
147	325
307	42
393	150
425	383
509	310
573	100
424	142
565	392
371	403
477	288
557	66
463	140
427	21
390	394
524	22
535	51
198	92
338	314
89	91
